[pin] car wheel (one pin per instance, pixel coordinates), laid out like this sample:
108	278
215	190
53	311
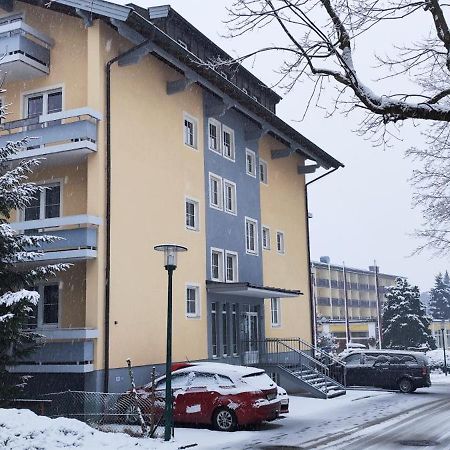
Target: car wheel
131	415
405	385
224	420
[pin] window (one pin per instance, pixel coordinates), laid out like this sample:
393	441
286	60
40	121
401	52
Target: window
43	103
225	329
217	264
234	328
192	301
215	191
229	194
46	203
263	171
275	312
251	236
231	261
191	210
250	162
190	131
266	238
178	381
228	143
280	242
46	312
214	331
214	136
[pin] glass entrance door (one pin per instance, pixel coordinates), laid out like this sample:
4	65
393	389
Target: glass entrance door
251	335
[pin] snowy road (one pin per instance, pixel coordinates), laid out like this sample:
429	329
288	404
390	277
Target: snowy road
358	421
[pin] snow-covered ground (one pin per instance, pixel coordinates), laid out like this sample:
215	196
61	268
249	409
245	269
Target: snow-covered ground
309	419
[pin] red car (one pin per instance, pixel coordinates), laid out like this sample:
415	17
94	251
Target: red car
222	395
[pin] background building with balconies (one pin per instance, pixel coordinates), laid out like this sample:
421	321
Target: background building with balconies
341	293
140	144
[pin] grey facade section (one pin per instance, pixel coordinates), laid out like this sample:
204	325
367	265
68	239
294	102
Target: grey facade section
227	231
223	230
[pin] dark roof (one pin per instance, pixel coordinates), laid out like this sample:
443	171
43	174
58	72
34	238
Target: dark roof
138	19
160	15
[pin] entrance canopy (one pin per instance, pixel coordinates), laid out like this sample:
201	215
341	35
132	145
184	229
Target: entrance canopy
245	289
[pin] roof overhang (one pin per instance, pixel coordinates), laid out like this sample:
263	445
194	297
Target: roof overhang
245	289
185	61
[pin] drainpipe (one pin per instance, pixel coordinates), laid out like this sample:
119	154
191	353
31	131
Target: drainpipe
313	318
108	208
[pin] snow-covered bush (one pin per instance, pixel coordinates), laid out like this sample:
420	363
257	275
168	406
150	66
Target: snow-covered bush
436	359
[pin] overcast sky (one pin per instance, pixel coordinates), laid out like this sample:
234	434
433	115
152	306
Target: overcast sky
360	213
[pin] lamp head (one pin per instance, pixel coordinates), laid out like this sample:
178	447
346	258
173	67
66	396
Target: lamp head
170	253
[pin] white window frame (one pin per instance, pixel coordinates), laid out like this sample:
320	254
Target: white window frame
42	204
217	124
265	172
235	266
275	309
194	121
196	203
265	246
230	131
281	250
247	249
219	179
48	90
233	210
197	313
220	252
40	306
252	154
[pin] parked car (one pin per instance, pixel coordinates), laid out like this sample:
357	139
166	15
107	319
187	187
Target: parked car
284	400
222	395
389	369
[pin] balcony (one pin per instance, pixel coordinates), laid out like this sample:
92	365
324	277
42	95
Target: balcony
61	136
25	51
78	237
67	350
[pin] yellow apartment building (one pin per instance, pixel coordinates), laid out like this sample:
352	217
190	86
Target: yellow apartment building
144	143
334	287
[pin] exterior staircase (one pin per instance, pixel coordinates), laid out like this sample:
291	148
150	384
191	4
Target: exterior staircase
314	371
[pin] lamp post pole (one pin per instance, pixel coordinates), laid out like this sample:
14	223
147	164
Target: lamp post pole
444	345
168	415
170	264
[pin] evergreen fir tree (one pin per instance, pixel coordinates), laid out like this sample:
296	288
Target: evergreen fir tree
17	298
447	279
440	298
405	323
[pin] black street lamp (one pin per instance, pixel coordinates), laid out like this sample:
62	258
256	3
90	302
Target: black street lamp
444	345
170	264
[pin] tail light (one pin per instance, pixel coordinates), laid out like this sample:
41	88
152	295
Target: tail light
424	370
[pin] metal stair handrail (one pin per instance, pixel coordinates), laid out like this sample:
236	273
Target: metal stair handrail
304	355
335	367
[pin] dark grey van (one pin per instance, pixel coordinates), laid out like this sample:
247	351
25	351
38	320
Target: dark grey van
388	369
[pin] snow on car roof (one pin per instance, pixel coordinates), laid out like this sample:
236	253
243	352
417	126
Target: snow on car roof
222	369
383	351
